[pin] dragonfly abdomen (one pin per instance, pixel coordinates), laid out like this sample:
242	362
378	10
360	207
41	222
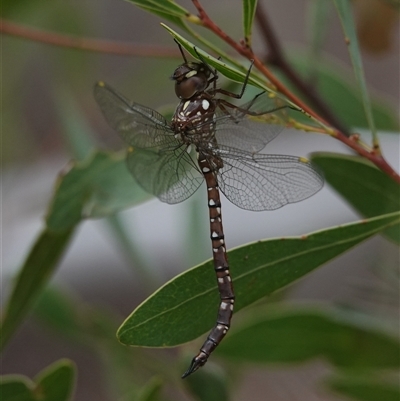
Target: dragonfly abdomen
221	267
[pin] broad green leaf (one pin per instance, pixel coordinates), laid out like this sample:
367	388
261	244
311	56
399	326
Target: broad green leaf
367	189
16	388
35	272
365	388
185	307
55	383
344	338
98	186
249	9
344	11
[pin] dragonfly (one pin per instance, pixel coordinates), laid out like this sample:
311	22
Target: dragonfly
210	139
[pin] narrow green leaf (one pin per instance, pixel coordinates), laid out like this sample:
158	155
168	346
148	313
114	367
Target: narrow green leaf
249	9
282	334
96	187
38	267
16	388
211	45
165	9
367	189
225	69
56	382
185	307
230	71
165	6
365	388
344	10
318	13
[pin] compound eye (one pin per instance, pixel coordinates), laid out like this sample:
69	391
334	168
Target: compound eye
190	86
180	72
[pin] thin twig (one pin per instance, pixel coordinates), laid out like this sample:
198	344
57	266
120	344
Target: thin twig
93	45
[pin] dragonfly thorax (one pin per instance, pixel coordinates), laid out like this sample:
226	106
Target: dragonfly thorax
194	119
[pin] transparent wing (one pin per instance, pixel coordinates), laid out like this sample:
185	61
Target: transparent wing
157	160
246	134
266	182
138	125
238	129
170	175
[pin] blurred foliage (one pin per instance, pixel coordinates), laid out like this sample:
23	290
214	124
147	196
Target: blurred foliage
55	383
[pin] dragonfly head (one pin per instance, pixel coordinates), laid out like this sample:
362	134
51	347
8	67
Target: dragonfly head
190	79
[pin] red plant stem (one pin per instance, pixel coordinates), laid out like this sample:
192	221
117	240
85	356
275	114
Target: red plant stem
93	45
247	52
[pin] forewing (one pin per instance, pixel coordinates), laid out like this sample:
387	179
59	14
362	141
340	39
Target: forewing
246	134
138	125
156	159
170	175
266	182
238	128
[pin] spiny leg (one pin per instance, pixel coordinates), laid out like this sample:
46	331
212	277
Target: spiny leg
221	267
245	82
181	50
